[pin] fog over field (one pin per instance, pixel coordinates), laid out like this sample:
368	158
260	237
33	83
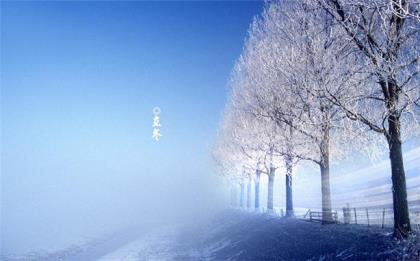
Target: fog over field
79	84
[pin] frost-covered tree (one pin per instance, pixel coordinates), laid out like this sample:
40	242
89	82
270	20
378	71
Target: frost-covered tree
228	161
289	62
255	139
268	137
237	142
384	34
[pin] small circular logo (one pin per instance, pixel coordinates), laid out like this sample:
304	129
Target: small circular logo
156	110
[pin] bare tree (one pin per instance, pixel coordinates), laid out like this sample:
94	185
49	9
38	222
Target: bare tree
384	34
289	62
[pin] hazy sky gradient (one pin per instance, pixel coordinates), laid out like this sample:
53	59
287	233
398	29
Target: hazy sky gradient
79	81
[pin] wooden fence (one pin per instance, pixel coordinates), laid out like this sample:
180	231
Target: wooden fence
382	217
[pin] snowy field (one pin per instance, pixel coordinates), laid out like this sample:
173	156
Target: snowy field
239	235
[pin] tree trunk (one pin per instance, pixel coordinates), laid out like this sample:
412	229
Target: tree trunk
326	193
289	192
242	199
257	190
248	193
325	173
270	189
402	227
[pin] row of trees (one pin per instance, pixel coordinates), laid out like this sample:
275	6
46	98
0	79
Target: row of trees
317	81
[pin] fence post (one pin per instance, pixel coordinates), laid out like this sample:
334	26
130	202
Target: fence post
383	218
355	215
281	212
347	214
344	215
367	215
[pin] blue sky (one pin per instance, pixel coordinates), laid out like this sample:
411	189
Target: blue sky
79	81
92	72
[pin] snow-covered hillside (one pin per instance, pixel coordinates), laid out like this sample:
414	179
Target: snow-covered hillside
240	235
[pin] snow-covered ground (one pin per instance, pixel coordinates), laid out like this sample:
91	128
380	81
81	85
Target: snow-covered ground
156	245
89	248
240	235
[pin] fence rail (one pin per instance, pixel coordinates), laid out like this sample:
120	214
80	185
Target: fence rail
382	217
